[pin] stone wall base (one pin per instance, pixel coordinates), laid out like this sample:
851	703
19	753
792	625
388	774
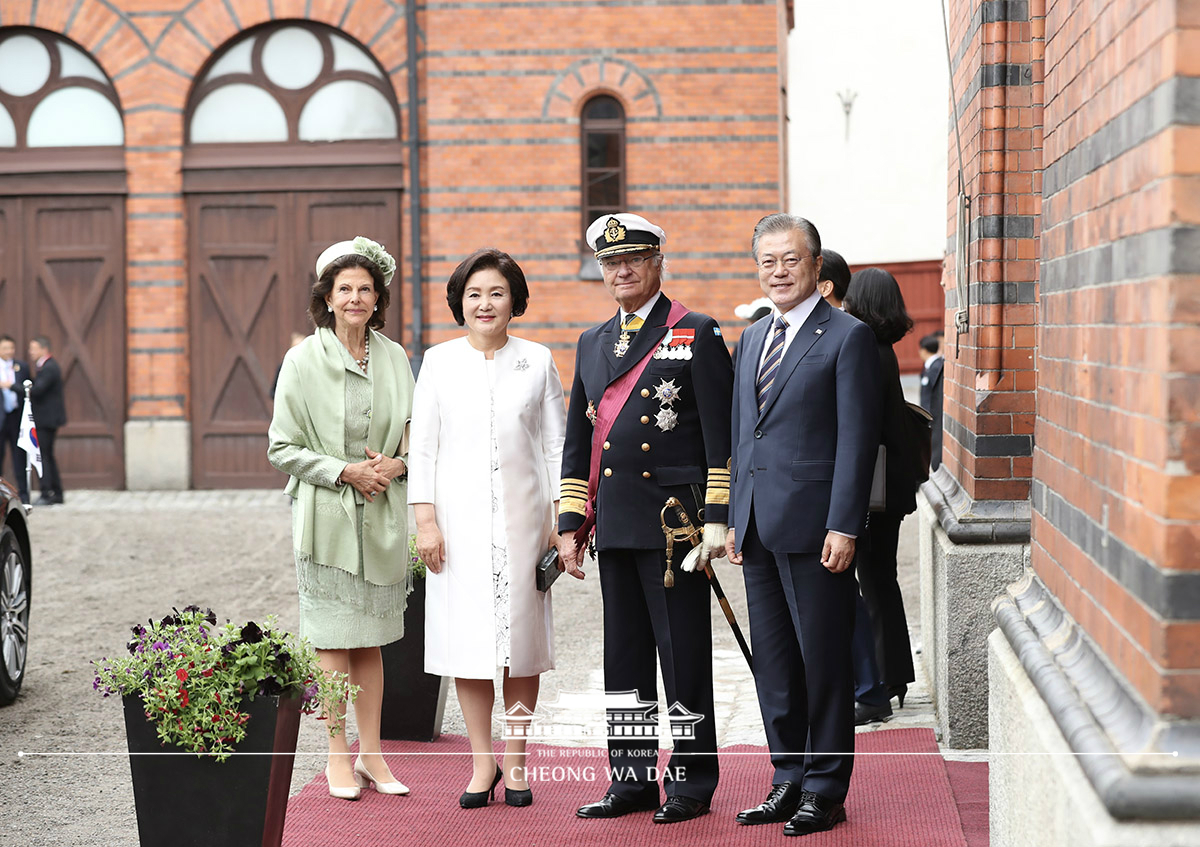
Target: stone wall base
958	584
158	455
1039	794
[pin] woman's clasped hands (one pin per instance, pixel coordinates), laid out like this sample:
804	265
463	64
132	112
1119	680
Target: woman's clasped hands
371	476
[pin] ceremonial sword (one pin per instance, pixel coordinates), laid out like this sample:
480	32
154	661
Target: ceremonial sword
687	531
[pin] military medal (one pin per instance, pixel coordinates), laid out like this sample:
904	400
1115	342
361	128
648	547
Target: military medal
666	392
666	418
591	412
622	345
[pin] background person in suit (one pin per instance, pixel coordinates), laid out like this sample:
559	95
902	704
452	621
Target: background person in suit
875	299
805	428
13	373
931	393
669	438
49	415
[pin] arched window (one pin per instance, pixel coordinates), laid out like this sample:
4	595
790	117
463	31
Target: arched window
293	82
52	94
603	143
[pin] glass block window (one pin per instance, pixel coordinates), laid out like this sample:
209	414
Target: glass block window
52	94
292	82
603	152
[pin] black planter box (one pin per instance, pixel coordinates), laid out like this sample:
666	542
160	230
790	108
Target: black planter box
184	800
413	701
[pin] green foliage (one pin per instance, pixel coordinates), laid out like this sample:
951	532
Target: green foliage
194	675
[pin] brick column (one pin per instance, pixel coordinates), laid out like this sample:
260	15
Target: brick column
975	508
1098	652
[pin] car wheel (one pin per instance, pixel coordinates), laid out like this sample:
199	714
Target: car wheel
14	615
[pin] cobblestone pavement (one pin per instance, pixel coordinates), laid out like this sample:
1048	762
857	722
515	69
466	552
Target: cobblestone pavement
109	558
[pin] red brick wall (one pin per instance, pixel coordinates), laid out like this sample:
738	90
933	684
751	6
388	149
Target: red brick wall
502	86
1086	220
1117	492
990	372
502	161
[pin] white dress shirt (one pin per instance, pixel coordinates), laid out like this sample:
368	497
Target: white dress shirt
10	394
643	312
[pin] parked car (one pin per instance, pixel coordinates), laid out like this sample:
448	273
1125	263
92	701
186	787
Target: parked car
15	580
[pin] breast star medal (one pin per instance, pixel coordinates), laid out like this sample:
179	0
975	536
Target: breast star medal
666	392
666	418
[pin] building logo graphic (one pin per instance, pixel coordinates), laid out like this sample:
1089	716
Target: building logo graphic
591	716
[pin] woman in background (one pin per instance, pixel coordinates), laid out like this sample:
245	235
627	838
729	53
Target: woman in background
874	298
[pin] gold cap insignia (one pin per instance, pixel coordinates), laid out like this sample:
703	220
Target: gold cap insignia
613	231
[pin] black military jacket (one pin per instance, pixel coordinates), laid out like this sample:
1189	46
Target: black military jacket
670	439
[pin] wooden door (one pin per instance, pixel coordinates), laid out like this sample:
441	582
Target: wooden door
251	269
921	285
62	275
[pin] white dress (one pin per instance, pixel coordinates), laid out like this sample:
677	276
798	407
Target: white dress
499	533
464	463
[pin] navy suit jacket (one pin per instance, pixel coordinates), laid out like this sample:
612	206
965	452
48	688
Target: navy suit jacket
805	463
49	408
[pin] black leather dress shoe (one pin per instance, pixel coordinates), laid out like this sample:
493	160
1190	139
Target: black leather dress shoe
678	808
779	806
864	714
816	814
612	806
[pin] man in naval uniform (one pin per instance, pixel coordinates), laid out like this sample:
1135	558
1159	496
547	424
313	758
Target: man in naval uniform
649	420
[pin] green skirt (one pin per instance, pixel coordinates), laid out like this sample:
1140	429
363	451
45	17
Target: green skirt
340	610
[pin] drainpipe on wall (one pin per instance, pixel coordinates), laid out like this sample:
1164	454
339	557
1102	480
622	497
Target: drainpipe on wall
417	348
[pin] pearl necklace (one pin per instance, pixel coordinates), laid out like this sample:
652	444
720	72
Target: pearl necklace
362	363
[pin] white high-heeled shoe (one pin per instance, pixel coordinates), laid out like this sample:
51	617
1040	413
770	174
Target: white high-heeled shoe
363	777
342	793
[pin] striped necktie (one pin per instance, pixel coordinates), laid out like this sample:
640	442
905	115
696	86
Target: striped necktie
766	376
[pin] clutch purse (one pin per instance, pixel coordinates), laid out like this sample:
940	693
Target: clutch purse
547	569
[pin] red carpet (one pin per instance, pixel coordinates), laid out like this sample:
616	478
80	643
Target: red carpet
969	782
895	800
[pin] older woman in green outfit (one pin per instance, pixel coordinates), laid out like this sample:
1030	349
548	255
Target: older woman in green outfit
342	409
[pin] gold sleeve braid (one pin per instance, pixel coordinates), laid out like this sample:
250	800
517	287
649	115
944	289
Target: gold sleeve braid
573	496
718	487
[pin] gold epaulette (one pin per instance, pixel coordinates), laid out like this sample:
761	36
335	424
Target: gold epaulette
573	496
718	487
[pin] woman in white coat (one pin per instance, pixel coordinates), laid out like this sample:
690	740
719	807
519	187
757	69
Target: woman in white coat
486	447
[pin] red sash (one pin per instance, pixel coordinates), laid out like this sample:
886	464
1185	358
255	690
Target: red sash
611	405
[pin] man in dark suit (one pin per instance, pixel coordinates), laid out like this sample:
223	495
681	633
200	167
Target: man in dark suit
13	373
805	432
49	415
931	393
649	420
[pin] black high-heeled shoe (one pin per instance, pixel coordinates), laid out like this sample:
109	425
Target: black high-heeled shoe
479	799
518	796
898	691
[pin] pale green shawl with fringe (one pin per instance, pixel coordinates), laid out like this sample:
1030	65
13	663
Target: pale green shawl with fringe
308	441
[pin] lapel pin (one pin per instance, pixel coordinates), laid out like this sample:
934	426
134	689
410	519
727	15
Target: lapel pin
819	331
